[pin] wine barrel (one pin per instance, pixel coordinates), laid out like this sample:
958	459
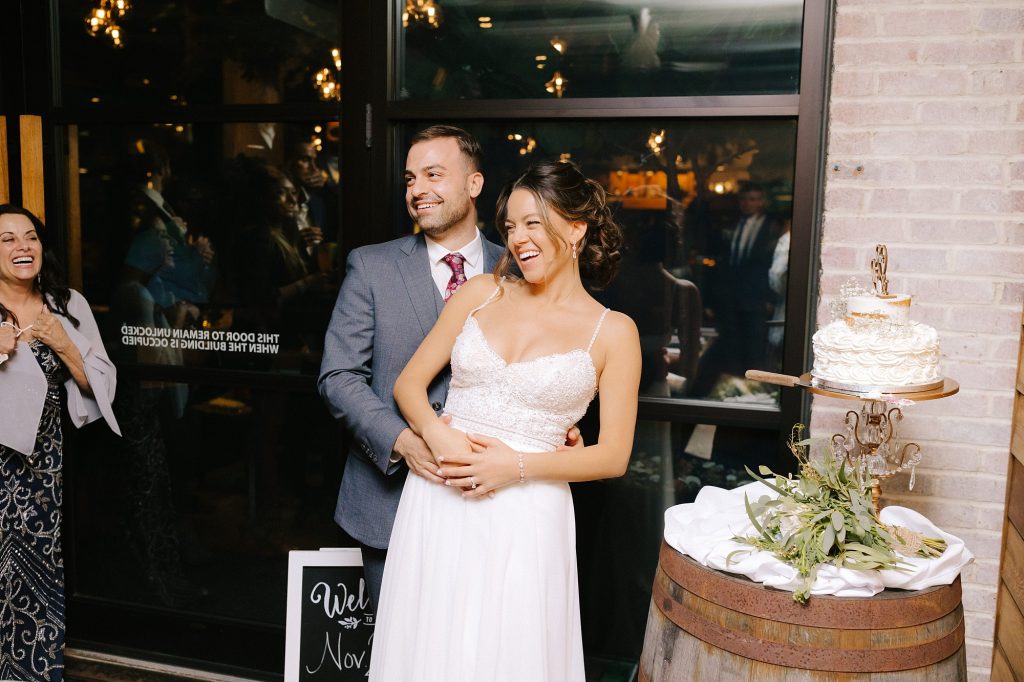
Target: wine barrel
707	625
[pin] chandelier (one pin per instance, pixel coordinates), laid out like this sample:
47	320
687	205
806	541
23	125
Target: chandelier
556	86
103	18
421	11
656	141
327	86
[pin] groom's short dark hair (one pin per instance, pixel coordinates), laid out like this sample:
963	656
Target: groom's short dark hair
468	144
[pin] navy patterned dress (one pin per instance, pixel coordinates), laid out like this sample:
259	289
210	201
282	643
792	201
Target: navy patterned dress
31	567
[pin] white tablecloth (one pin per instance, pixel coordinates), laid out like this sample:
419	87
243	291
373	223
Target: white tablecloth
704	530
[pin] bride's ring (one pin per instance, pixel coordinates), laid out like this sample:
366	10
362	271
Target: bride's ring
472	483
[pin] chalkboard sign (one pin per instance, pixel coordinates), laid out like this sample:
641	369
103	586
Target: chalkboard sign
330	621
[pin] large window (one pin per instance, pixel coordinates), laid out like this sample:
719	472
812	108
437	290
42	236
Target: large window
195	53
210	164
210	245
506	49
199	180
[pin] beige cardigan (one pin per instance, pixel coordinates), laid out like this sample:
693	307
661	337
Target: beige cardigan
23	384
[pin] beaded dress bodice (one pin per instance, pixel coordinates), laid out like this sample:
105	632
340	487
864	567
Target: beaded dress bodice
530	405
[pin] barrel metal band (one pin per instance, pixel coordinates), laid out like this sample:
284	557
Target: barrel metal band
807	658
742	595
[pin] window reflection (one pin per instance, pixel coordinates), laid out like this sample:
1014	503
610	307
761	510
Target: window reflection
211	245
682	190
182	53
621	521
197	505
459	49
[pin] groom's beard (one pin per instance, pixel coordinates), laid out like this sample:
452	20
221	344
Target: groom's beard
438	225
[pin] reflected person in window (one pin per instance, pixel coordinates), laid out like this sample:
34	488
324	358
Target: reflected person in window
738	293
480	586
318	196
51	361
187	274
278	288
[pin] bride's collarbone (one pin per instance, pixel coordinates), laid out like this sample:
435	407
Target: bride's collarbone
524	336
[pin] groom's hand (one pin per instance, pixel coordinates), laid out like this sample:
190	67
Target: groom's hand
417	455
573	440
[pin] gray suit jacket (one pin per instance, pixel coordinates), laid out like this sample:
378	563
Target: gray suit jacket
387	304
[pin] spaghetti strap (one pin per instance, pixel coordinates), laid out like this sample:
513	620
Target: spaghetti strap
490	298
600	320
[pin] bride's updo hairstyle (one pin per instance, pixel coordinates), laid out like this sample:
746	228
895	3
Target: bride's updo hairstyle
561	186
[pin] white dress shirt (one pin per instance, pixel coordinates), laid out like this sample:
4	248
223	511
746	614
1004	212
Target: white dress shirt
473	252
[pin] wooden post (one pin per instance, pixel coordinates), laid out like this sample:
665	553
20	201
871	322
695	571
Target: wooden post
32	196
74	212
5	182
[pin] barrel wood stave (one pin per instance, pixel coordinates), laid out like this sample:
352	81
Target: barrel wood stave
691	636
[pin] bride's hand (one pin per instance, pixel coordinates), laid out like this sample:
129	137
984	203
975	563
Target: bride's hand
445	441
491	465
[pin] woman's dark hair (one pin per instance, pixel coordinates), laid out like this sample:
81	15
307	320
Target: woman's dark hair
50	282
562	187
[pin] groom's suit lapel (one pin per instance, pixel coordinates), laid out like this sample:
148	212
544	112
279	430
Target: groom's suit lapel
415	270
492	253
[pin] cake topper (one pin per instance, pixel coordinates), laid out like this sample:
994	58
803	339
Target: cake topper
879	265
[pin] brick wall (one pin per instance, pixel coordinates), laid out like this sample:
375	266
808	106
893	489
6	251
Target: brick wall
926	153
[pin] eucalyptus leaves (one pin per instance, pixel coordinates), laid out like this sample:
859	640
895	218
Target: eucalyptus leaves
826	516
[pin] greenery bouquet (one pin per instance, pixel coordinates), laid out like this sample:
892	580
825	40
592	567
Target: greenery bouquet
825	515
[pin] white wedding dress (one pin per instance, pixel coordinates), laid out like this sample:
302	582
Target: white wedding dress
485	590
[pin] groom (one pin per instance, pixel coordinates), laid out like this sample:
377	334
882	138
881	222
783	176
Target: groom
391	297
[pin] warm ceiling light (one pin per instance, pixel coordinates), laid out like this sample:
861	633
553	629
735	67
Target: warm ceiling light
558	44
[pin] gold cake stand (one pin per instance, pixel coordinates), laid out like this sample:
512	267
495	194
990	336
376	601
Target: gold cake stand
871	445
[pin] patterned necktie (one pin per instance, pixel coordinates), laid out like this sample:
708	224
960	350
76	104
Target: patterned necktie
454	261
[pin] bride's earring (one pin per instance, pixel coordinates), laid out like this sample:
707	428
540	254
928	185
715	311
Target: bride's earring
574	250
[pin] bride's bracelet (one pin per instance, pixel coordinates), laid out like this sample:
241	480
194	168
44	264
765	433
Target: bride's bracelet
522	469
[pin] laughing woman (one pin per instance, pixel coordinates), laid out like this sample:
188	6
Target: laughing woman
51	357
480	581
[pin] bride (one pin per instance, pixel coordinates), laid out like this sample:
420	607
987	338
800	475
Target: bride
480	582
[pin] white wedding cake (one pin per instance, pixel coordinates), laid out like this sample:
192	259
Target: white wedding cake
874	346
